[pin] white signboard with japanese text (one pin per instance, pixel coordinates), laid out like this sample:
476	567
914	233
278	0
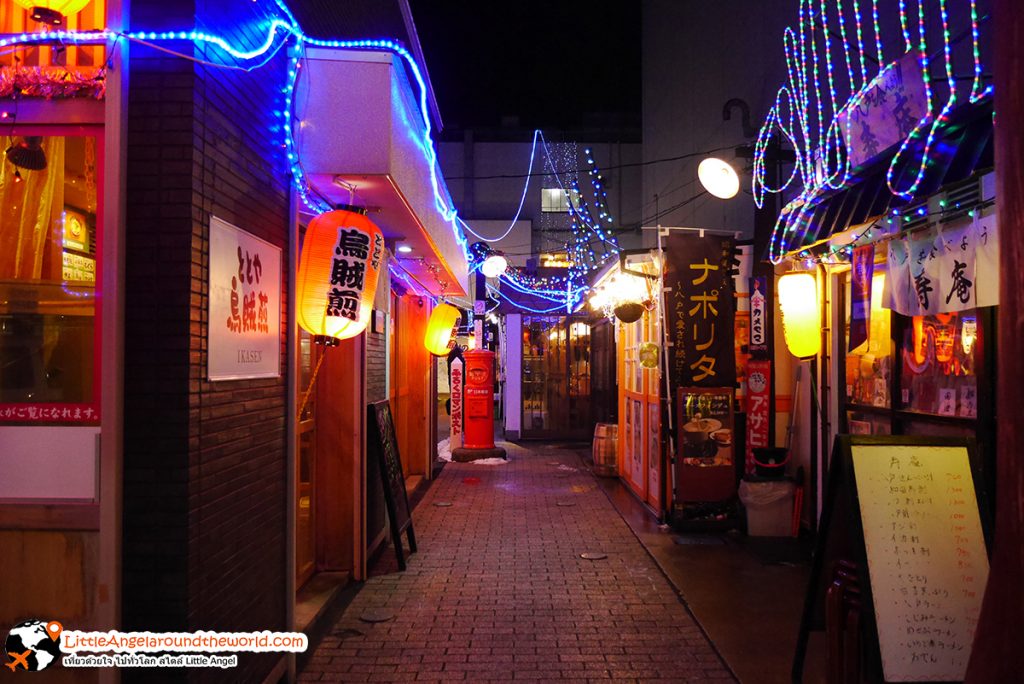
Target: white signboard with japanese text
245	305
926	556
455	440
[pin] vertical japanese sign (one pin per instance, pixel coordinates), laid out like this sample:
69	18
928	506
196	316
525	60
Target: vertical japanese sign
860	295
245	305
758	315
455	439
759	375
700	310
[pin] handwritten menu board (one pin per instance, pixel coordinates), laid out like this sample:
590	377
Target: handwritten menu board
926	556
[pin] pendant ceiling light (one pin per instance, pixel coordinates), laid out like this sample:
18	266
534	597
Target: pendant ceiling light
718	178
28	154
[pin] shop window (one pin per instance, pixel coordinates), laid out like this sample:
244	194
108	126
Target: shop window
49	268
34	62
557	200
869	365
938	366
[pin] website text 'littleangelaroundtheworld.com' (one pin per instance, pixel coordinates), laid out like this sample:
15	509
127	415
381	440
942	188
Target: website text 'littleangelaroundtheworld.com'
75	641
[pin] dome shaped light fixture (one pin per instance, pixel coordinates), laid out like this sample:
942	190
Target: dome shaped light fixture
718	178
494	266
52	12
28	154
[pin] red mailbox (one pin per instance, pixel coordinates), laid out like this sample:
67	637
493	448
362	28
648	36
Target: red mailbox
479	403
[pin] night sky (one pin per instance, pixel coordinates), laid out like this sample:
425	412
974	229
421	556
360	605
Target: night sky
549	63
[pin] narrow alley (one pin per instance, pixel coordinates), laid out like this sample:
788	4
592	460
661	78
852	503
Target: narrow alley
499	591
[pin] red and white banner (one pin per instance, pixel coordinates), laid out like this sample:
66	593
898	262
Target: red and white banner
759	375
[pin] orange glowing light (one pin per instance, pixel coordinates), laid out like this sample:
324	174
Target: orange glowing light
342	256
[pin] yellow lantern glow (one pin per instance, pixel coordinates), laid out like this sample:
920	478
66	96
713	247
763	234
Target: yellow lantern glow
441	329
342	256
801	319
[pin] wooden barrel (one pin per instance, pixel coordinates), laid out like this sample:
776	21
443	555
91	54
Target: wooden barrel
604	449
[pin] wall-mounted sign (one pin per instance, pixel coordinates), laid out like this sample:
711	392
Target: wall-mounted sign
887	111
759	374
455	440
76	231
860	296
699	303
245	305
758	315
78	268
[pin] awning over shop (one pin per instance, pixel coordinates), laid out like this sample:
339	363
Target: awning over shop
362	140
963	147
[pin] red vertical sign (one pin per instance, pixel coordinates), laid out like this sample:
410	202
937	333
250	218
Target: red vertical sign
759	375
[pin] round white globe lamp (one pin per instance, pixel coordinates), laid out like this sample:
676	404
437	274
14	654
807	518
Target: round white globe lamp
718	178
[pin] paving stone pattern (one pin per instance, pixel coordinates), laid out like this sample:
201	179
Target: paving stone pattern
498	591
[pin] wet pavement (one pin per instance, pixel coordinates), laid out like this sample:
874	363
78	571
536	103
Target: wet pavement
499	591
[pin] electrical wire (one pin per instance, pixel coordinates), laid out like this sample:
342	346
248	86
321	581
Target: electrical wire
688	155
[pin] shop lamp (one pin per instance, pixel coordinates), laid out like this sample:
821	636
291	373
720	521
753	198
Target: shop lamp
28	154
801	322
718	178
441	329
342	256
494	266
52	12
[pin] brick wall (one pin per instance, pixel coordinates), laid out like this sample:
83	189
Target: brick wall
205	463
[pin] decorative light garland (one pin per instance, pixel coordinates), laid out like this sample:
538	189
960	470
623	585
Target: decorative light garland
822	160
565	290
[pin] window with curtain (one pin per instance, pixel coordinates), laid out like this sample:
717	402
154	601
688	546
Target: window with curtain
49	266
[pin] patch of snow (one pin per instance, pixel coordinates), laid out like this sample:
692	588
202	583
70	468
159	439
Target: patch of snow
489	461
444	451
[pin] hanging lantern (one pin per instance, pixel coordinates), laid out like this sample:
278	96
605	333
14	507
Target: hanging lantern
52	12
801	320
342	256
629	312
441	329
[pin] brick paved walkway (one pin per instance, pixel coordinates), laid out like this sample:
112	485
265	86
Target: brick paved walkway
498	591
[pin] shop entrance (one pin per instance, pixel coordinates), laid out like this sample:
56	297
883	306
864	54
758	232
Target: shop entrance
556	387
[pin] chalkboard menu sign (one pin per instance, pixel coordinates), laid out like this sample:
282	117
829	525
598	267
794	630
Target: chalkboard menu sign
382	446
904	512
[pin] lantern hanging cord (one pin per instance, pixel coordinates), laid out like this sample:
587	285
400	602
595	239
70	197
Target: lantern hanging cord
312	383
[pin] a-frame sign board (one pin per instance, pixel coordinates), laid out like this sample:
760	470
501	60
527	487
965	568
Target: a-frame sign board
382	446
904	516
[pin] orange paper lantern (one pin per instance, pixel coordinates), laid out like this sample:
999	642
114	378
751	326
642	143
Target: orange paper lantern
440	329
342	255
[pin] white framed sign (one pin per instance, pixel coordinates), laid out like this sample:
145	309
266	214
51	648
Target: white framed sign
244	333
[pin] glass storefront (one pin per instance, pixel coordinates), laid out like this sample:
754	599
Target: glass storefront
49	268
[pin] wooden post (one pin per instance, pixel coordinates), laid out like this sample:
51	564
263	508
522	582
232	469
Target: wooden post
995	656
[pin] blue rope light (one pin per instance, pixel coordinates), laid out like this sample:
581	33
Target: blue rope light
278	33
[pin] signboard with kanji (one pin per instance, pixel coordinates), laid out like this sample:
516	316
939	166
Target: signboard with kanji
245	305
699	308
